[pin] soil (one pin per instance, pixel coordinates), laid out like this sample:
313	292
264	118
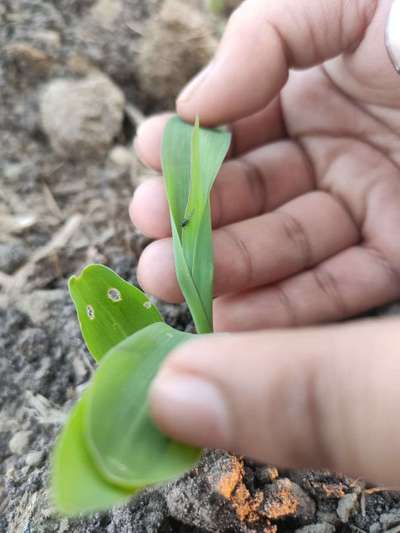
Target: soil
64	191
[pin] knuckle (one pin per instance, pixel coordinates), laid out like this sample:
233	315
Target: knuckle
328	285
313	411
298	238
243	256
288	306
257	184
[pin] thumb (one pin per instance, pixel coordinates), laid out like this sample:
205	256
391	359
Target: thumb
261	42
325	397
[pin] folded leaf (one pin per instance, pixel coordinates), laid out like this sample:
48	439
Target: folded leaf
77	486
127	447
191	159
109	308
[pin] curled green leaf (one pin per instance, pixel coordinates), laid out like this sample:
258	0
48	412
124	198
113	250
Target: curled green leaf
127	447
77	486
191	159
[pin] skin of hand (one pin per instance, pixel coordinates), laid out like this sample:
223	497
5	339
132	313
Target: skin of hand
306	215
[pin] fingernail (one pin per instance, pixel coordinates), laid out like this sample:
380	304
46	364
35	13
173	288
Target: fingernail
188	91
393	34
190	409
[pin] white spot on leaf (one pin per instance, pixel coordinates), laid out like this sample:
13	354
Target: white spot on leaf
90	312
147	304
114	295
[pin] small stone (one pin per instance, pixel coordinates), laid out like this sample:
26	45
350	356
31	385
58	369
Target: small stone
82	117
19	443
12	255
345	506
266	474
51	39
106	12
29	58
122	157
34	458
14	171
80	369
390	520
317	528
285	499
177	42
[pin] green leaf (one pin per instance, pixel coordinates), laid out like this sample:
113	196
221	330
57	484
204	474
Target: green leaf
77	486
127	447
109	308
191	159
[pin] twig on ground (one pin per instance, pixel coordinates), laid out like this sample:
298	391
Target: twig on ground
60	239
134	114
52	202
17	223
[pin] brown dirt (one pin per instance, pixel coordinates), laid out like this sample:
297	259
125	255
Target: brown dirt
62	207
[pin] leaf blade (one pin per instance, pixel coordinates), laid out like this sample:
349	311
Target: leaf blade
189	178
109	308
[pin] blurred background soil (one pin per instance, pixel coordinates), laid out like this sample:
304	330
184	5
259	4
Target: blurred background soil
76	79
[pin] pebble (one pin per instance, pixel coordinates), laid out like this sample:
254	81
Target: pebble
29	58
345	506
177	42
122	157
12	255
34	458
51	39
266	474
106	12
285	499
390	520
82	117
19	443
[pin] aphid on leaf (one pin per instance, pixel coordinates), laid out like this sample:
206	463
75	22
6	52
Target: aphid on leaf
186	220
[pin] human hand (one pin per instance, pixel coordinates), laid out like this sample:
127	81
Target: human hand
307	212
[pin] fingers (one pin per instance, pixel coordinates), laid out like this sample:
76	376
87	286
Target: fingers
255	130
392	35
263	179
248	72
147	143
322	398
261	250
343	286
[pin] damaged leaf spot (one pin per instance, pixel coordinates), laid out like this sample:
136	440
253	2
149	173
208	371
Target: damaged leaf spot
147	304
90	312
114	295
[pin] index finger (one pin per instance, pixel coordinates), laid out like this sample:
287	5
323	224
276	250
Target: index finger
262	41
251	132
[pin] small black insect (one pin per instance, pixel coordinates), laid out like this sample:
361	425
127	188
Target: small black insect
186	220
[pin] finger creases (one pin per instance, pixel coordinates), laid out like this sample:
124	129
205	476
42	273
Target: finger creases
342	286
260	250
262	179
